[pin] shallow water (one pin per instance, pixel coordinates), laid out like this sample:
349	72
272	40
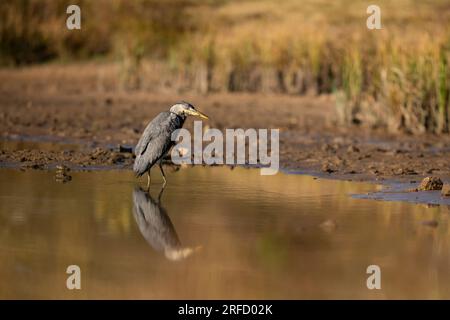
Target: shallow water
400	191
215	233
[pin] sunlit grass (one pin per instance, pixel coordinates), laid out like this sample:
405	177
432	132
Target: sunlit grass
397	77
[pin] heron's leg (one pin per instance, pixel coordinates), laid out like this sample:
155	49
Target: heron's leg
148	179
163	174
160	193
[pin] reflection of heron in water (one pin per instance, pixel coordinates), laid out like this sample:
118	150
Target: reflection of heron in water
156	227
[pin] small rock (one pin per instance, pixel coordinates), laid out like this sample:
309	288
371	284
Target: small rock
327	168
328	148
430	183
352	149
125	149
446	190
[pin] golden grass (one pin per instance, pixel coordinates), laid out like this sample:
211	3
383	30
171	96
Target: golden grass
396	77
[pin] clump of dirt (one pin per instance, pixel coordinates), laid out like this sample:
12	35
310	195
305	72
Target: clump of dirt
328	168
446	190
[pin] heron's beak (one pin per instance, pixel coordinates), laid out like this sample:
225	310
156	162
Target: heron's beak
199	114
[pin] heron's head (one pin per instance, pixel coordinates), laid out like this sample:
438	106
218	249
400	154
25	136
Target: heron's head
186	109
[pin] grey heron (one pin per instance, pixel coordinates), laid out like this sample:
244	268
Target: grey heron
156	140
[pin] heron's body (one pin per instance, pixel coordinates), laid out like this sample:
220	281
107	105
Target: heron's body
156	140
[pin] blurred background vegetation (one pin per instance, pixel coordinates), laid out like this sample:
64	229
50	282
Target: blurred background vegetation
397	77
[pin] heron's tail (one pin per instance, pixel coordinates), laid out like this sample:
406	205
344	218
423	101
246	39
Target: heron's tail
140	166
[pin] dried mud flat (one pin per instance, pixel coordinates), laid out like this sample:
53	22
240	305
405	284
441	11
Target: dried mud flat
66	104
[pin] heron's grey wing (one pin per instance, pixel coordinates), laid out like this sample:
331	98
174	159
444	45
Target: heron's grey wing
157	137
151	132
155	141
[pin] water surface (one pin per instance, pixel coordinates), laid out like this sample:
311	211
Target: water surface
214	233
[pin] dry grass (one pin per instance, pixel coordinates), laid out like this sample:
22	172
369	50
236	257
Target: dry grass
397	77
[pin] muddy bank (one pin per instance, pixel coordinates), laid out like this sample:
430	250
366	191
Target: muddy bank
76	158
66	106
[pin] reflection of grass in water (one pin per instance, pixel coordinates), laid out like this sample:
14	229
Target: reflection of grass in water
111	212
114	216
272	251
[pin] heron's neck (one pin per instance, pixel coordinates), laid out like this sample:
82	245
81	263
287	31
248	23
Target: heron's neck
182	115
